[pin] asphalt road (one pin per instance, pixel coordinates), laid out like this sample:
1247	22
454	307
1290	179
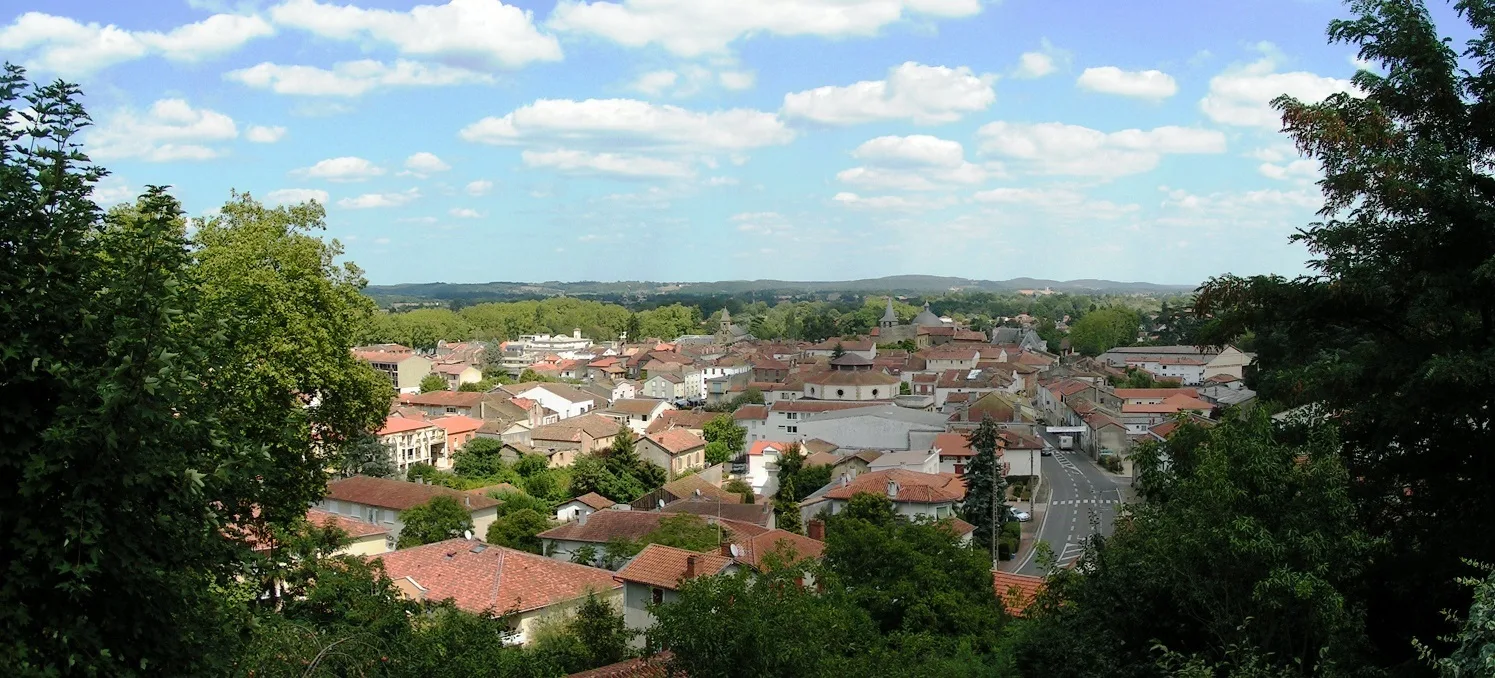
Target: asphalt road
1083	501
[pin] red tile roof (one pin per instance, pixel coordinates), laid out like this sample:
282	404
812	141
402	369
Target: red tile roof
570	430
458	423
915	487
398	494
611	523
689	485
355	528
954	445
1177	403
790	546
382	356
1016	591
1135	393
666	566
680	419
479	576
443	399
750	412
677	440
595	500
655	666
393	425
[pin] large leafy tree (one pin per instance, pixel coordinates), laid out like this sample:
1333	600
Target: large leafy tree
1103	329
517	530
722	429
441	518
1393	332
363	455
432	382
986	486
1246	540
155	390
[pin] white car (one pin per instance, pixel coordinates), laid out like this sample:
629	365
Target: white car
1019	516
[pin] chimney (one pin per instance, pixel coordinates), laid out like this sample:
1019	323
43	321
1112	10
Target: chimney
690	566
469	501
815	529
726	549
892	489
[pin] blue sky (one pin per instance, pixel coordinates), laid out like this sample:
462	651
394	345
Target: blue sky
718	139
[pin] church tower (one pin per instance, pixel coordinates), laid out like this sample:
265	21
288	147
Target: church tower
889	317
724	330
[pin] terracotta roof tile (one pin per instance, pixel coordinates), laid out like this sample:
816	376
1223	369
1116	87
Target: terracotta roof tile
398	494
1016	591
680	419
393	425
655	666
953	445
915	487
355	528
479	576
458	424
690	485
594	500
610	523
751	412
443	399
665	566
677	440
795	548
757	514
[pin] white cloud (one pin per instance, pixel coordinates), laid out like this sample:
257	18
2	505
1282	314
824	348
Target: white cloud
291	196
892	203
913	163
1140	84
1275	153
770	224
655	82
171	130
347	168
923	94
425	163
737	80
1058	201
479	187
691	28
630	123
465	213
1034	65
62	45
615	164
1058	148
371	200
352	78
1243	204
1302	170
691	79
722	181
488	29
1243	95
112	191
264	134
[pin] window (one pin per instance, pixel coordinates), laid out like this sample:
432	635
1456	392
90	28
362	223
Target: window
792	429
656	595
451	410
874	393
840	392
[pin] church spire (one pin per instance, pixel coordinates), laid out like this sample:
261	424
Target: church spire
889	317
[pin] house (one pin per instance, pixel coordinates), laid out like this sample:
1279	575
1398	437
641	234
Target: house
1021	454
637	413
878	427
567	439
665	385
760	514
1138	417
851	377
854	464
413	441
567	401
684	488
459	430
974	381
653	577
936	495
689	420
479	577
1016	591
922	461
442	403
1026	338
997	406
584	505
676	450
457	374
404	368
865	348
768	369
759	466
951	358
364	538
598	528
1192	364
780	421
954	451
380	501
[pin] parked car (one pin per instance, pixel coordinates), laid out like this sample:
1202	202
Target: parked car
1019	516
1048	451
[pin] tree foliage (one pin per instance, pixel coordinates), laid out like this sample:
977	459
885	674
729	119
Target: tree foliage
439	519
986	486
517	530
363	455
1102	330
722	429
432	382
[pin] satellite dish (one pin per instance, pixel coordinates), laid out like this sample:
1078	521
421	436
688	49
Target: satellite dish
698	491
467	534
736	551
661	503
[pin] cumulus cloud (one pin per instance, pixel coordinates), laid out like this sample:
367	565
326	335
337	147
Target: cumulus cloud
1058	148
691	28
263	134
892	203
1243	95
1262	208
615	164
912	91
1059	201
352	78
770	224
373	200
912	163
479	187
171	130
691	79
61	45
655	82
291	196
112	191
465	213
423	163
346	168
1302	171
497	33
1034	65
625	123
1139	84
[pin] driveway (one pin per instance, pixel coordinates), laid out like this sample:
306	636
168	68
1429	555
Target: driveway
1082	502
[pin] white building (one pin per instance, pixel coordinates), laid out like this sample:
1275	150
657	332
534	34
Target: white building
380	501
875	427
913	494
566	400
412	441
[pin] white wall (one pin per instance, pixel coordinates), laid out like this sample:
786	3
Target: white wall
566	408
864	432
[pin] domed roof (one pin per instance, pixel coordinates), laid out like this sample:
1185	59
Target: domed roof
927	318
850	360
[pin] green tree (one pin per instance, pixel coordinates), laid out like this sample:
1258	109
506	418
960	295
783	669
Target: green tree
617	551
741	488
1393	331
786	516
686	531
1474	644
586	554
722	429
479	458
1101	330
668	322
1246	539
717	453
595	635
517	530
838	351
590	473
530	376
904	388
510	502
438	519
363	455
986	487
432	382
874	509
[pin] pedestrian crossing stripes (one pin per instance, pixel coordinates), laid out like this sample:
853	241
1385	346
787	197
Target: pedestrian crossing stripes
1063	502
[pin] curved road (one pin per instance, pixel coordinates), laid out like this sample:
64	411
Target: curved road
1082	501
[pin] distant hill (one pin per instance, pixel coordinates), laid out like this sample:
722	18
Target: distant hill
898	284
